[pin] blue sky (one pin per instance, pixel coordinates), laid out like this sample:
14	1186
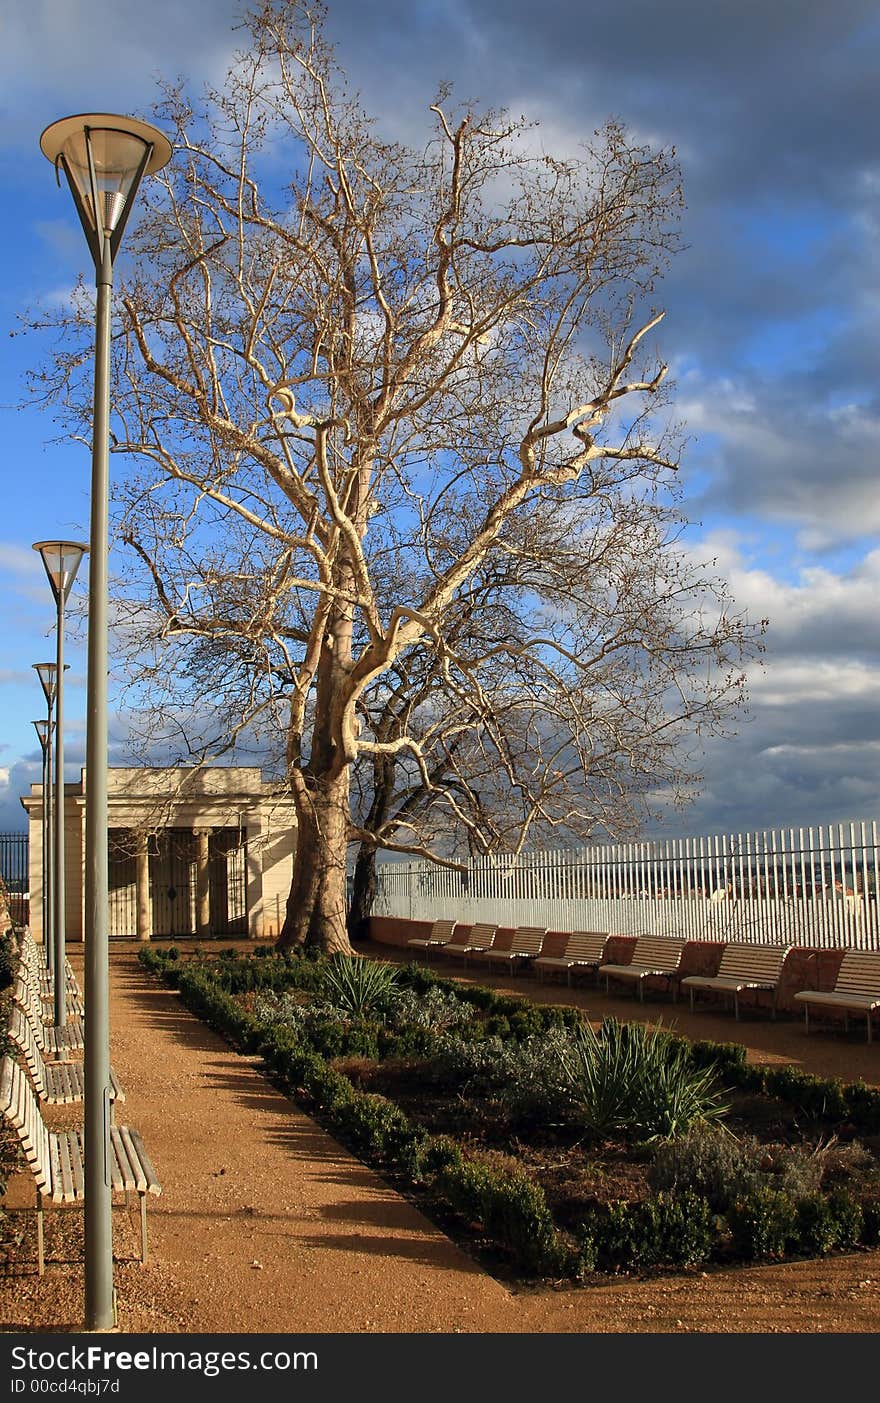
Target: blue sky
771	325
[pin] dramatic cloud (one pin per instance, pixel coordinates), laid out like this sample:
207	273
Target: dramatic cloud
772	322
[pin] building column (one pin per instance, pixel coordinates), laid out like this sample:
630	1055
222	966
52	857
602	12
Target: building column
142	888
254	886
203	883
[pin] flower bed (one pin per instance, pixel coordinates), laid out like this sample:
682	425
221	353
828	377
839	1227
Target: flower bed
555	1150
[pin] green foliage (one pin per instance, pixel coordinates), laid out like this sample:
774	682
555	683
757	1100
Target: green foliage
525	1080
434	1010
824	1223
624	1079
375	1127
871	1222
511	1209
776	1199
709	1162
724	1057
763	1223
8	959
815	1096
359	987
665	1230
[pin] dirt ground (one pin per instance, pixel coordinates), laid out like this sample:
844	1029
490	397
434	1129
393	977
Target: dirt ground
266	1225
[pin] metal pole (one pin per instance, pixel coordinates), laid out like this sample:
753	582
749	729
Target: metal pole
60	923
100	1314
48	865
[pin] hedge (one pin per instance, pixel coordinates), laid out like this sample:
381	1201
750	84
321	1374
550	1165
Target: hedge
510	1209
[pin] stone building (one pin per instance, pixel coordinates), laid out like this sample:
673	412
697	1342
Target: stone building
191	852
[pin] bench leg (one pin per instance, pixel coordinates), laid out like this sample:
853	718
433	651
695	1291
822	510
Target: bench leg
807	1019
869	1025
143	1199
736	1004
41	1258
691	992
846	1020
641	984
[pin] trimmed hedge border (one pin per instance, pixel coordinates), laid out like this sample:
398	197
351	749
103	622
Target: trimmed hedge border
670	1230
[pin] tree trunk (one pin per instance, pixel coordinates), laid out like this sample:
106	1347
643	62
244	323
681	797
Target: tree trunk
315	915
363	892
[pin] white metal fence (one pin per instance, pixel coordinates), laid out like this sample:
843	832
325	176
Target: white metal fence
808	886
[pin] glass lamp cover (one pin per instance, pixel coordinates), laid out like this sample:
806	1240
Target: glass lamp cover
42	730
47	673
62	560
116	157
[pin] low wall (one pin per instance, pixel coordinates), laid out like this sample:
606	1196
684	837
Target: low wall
804	966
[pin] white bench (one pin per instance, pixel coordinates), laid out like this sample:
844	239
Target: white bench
583	949
56	1041
44	994
34	957
56	1083
856	989
525	946
652	955
56	1157
441	934
742	966
478	939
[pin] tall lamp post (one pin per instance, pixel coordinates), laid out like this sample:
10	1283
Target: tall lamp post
47	675
44	732
103	157
61	560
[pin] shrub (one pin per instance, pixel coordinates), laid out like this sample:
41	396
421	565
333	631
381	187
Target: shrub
624	1078
511	1208
8	959
673	1095
824	1223
871	1222
710	1162
524	1080
374	1125
763	1223
816	1096
359	987
434	1010
665	1230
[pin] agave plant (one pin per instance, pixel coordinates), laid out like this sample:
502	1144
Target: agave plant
601	1071
627	1079
359	987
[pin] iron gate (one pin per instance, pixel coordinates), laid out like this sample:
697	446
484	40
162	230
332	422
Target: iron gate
14	871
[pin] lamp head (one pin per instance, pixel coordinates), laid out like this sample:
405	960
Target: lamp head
48	675
61	560
104	157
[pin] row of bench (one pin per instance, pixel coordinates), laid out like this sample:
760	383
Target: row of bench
743	966
48	1075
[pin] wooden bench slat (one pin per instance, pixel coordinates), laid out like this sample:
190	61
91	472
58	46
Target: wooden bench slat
56	1158
856	988
526	942
742	967
441	933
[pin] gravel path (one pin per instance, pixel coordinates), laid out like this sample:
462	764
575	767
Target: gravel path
266	1224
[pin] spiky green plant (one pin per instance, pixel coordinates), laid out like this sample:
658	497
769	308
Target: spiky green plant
361	988
628	1079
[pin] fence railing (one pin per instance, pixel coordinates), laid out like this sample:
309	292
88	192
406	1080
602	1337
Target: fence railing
812	886
14	873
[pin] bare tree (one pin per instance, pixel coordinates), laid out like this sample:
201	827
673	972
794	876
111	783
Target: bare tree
399	462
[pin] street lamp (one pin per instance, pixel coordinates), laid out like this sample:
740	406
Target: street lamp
44	732
47	674
104	158
61	560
